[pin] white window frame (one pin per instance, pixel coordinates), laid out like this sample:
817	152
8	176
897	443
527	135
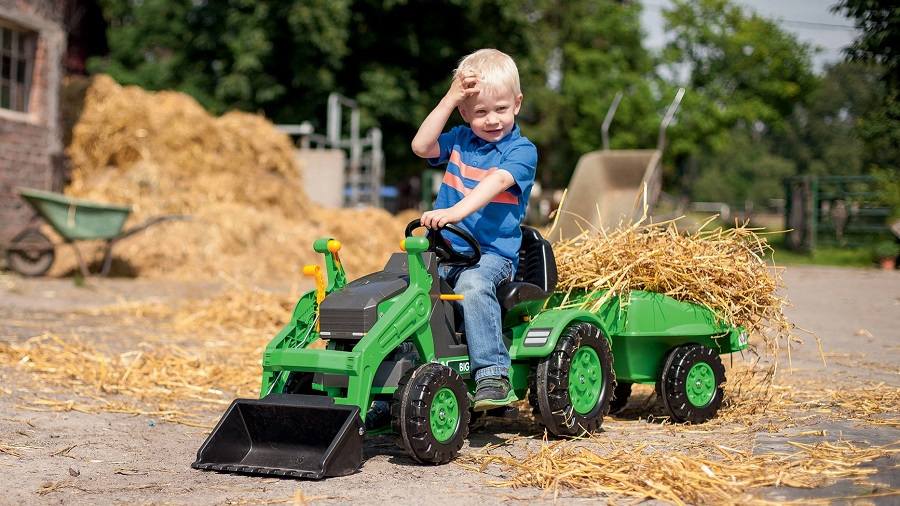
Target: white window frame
19	56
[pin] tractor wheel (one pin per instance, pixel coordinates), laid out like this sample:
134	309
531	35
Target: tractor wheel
575	382
430	413
30	253
532	393
620	397
691	383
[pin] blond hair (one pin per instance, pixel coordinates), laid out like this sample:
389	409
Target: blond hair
495	69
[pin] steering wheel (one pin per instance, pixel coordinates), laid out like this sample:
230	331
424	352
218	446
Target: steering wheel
440	246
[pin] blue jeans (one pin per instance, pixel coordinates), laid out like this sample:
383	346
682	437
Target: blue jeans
481	311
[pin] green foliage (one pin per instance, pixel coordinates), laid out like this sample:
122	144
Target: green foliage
583	53
889	190
823	255
823	135
879	42
885	249
750	172
230	54
402	55
743	71
745	76
754	112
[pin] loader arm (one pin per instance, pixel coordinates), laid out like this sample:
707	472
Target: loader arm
407	317
300	332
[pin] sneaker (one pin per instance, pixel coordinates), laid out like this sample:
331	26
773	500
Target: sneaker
491	393
378	416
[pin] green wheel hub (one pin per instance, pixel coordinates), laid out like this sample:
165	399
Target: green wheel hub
444	415
700	384
585	380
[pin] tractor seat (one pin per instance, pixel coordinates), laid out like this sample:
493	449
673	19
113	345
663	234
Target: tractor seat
536	276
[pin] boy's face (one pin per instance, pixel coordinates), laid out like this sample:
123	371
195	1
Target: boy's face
491	114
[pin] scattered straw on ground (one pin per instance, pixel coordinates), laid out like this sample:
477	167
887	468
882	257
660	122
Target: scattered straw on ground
159	378
713	474
150	380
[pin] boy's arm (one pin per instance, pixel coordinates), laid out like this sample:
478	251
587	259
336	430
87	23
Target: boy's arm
517	175
425	143
481	195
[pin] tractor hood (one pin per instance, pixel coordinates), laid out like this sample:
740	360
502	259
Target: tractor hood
351	311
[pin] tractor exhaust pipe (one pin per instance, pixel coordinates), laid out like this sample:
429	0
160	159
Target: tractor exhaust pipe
301	436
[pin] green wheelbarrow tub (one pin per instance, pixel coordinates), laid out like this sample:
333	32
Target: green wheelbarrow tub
77	219
31	253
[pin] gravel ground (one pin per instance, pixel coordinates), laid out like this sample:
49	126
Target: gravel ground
73	457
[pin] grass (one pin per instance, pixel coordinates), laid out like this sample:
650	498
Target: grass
823	255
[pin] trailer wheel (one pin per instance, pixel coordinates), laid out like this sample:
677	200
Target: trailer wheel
430	413
575	382
620	397
691	383
30	253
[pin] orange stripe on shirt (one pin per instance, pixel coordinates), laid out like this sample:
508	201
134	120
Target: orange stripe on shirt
468	171
456	183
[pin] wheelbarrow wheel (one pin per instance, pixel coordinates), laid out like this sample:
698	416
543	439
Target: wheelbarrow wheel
30	253
691	383
430	413
575	382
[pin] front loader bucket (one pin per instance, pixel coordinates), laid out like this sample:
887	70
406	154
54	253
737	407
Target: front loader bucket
304	436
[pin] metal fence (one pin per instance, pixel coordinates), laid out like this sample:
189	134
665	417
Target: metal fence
833	210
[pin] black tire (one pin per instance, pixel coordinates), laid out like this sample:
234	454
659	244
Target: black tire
30	253
552	382
673	383
620	397
532	393
411	413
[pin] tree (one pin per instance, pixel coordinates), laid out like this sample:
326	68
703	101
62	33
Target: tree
879	42
278	57
823	136
745	76
583	53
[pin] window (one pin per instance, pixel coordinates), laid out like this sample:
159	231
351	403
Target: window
16	64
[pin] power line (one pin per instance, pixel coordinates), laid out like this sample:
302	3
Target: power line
812	25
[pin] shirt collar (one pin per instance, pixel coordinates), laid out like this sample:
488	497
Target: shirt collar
504	142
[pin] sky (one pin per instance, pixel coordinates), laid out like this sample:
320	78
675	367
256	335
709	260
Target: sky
810	21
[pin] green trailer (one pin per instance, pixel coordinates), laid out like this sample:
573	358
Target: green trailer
396	337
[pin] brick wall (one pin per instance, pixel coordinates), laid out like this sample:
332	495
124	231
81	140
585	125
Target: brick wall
30	144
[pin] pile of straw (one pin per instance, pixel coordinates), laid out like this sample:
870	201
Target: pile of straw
722	269
235	175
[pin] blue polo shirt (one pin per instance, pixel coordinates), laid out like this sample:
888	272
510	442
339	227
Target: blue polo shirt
470	159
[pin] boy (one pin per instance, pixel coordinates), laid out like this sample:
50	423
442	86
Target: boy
490	172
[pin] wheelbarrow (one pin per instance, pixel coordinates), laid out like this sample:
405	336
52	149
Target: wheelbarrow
31	252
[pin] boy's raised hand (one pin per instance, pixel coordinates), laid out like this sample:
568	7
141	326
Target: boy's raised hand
464	85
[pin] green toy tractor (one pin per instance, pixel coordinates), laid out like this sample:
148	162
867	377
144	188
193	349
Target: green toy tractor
396	336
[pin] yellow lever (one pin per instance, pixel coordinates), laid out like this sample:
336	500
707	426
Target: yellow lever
334	246
451	296
315	272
